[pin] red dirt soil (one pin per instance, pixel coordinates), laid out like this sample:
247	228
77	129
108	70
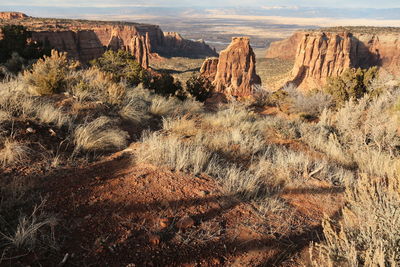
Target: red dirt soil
117	213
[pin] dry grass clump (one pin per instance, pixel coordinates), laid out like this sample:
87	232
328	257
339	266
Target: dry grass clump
17	104
31	231
95	85
161	106
310	104
99	135
49	75
368	232
172	152
13	152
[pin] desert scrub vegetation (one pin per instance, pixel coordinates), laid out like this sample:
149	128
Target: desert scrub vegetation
99	135
49	75
367	234
92	84
13	152
353	83
122	66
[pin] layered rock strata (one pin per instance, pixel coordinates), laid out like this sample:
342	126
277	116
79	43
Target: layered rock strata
234	72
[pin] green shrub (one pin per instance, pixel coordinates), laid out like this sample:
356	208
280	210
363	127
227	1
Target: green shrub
49	75
123	67
166	85
353	83
199	87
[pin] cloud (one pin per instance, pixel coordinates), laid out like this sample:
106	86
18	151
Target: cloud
207	3
280	7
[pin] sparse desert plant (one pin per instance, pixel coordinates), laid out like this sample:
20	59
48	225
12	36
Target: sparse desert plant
99	135
31	231
96	85
172	106
311	103
13	152
367	234
48	75
15	64
172	152
49	114
261	96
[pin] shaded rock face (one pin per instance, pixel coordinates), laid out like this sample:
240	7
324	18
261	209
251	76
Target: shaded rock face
321	55
174	44
285	49
236	69
209	68
12	15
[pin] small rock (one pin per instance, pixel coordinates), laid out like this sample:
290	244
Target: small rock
203	193
164	222
185	222
52	132
30	130
154	239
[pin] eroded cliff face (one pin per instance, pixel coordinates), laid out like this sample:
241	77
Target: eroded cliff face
234	71
87	40
209	68
12	15
174	44
321	55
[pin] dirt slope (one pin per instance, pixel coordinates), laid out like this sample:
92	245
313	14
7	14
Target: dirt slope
117	213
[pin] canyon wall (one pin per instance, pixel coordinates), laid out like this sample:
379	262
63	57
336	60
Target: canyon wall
12	15
320	55
87	40
234	72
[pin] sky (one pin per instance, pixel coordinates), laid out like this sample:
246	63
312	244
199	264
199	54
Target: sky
209	3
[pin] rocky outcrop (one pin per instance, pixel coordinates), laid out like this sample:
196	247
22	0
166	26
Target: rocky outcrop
12	15
139	48
323	54
87	40
285	49
209	68
174	45
236	69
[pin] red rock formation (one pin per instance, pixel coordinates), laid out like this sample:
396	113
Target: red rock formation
88	40
328	54
236	70
139	48
285	49
175	45
209	68
12	15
